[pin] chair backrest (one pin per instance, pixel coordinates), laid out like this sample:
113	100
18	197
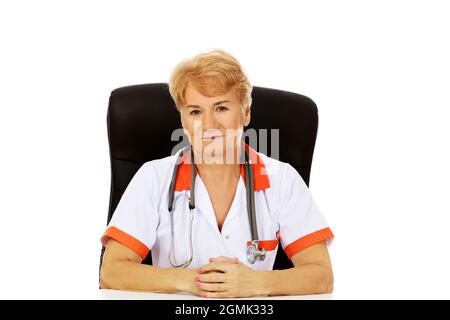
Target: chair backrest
141	119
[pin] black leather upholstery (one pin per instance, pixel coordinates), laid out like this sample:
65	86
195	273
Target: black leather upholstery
141	119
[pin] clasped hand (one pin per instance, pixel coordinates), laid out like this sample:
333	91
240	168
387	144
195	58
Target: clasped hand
225	277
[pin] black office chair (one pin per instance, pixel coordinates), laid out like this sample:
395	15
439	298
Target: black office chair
141	119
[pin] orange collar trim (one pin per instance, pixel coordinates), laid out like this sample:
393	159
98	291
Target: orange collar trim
261	179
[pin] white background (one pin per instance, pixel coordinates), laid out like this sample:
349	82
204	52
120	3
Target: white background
379	72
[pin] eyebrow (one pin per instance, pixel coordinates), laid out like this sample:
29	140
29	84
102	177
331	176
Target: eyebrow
215	104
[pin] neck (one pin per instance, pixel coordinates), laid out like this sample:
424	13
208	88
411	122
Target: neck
220	172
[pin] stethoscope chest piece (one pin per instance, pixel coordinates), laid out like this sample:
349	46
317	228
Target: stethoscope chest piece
254	253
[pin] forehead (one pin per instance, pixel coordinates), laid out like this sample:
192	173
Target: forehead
193	96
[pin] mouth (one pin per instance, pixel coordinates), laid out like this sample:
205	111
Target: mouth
212	138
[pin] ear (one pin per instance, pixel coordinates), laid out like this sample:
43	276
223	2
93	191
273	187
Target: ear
246	112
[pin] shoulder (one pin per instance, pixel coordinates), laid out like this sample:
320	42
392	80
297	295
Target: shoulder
159	165
278	171
155	173
285	181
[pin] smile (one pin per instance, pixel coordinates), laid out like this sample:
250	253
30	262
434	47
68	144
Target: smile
212	138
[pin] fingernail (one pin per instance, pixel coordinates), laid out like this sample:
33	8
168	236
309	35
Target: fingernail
203	294
197	284
197	277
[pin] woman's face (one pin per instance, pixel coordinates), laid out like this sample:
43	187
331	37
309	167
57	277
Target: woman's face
214	125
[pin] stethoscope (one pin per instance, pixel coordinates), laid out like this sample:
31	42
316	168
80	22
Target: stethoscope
254	253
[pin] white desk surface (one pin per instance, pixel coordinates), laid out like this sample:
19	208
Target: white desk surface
109	294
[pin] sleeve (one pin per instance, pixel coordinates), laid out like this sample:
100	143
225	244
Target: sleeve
136	217
300	221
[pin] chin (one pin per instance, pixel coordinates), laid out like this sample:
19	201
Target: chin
211	154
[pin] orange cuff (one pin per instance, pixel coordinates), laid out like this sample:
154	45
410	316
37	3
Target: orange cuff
125	239
307	241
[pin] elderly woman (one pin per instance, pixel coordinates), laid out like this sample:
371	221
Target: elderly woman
204	248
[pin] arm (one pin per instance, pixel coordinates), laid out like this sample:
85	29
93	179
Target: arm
312	274
122	269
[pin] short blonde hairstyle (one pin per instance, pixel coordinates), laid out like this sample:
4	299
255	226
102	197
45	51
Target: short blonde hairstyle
213	72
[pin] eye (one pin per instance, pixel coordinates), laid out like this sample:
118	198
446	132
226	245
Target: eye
222	108
194	112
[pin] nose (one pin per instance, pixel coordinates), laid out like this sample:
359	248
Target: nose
209	120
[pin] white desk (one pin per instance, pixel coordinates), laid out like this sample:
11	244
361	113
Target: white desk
133	295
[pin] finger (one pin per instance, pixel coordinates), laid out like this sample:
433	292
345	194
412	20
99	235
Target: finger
211	287
224	259
217	266
211	277
207	294
220	258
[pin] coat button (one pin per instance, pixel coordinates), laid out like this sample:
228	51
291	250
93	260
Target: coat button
227	237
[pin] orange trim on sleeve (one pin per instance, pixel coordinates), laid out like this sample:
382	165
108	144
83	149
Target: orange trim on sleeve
127	240
307	241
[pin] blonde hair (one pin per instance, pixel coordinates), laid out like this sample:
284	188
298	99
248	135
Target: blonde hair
213	72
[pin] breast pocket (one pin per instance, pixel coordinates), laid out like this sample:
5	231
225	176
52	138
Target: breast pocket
269	247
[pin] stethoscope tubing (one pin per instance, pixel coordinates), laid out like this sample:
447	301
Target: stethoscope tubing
250	206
